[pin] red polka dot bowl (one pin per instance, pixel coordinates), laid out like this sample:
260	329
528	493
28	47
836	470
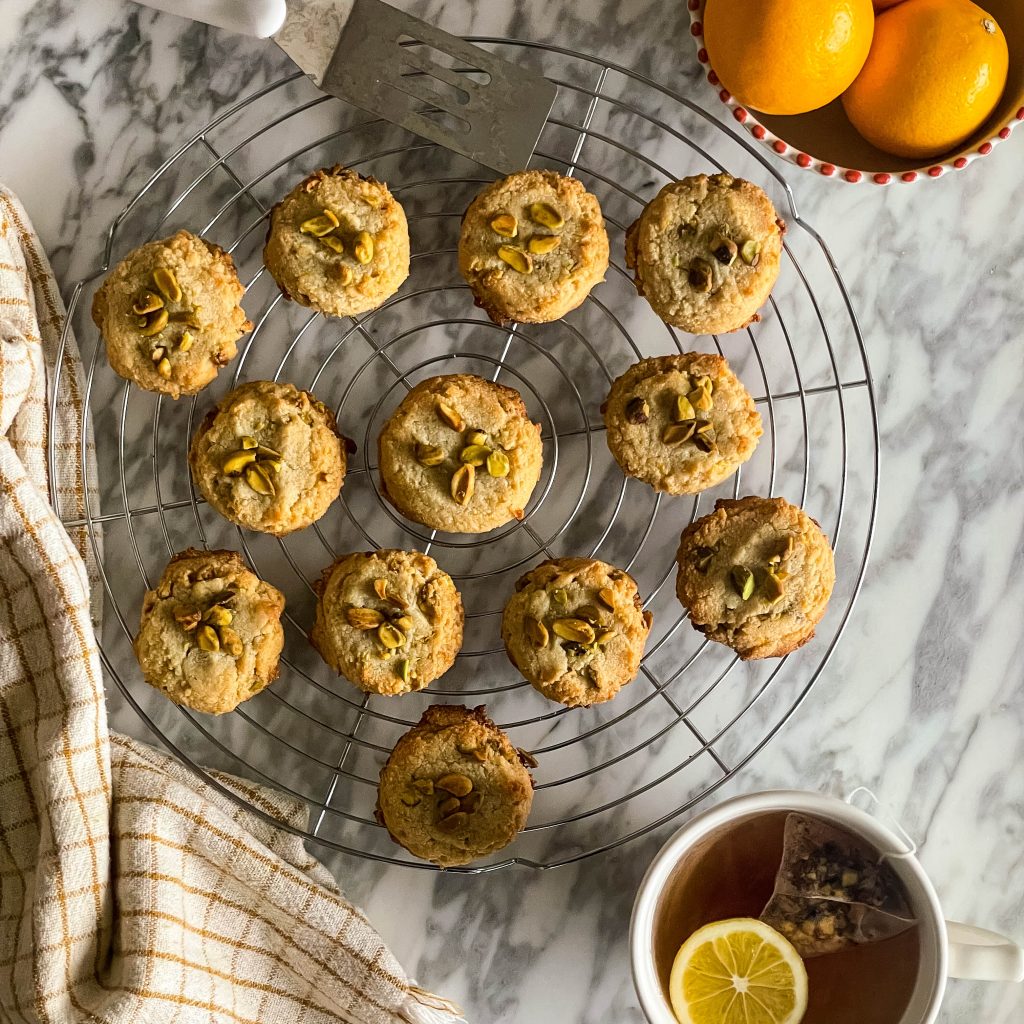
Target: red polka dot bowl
824	142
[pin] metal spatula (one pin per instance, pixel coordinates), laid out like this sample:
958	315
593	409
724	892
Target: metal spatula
399	68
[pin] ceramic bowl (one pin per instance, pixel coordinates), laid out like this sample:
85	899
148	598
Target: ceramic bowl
824	141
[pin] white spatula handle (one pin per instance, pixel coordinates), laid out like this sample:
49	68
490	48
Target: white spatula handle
260	18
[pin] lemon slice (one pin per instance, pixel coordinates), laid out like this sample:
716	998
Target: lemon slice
738	972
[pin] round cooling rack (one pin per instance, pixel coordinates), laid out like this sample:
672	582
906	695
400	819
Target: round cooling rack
695	715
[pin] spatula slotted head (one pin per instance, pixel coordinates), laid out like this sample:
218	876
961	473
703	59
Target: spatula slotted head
438	86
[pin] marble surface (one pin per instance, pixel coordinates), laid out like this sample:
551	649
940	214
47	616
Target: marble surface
922	699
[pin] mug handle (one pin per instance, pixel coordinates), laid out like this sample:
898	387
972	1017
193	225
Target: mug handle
981	955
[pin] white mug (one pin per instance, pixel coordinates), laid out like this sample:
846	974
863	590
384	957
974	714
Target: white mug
945	949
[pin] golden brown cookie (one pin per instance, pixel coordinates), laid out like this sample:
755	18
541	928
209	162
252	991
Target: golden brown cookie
454	788
460	454
681	423
170	316
388	621
532	247
269	457
705	252
338	242
756	574
210	635
576	629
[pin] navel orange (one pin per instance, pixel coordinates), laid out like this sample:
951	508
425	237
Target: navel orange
787	56
936	70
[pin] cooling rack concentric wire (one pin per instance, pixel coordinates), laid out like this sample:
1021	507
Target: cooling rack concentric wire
695	715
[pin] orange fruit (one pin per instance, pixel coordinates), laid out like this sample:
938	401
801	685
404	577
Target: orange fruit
936	71
882	5
787	56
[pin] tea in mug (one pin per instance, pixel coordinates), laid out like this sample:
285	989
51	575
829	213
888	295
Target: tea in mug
732	873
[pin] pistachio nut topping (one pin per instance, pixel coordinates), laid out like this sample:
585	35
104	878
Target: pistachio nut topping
456	783
700	276
677	433
637	410
724	250
429	454
575	630
700	400
505	225
155	323
324	224
463	483
705	556
332	242
449	416
255	463
743	581
258	479
207	639
147	302
682	410
546	215
751	252
517	259
498	464
536	631
167	284
390	636
362	248
364	618
474	454
773	587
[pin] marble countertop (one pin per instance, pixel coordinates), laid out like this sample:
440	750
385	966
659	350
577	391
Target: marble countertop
923	700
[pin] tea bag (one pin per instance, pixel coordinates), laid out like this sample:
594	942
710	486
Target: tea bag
833	890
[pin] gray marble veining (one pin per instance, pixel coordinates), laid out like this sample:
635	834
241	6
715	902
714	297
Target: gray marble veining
922	700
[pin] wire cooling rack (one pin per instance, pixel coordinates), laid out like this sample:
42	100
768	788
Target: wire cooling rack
695	715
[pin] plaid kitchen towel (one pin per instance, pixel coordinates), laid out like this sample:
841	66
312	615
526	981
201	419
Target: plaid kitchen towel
129	890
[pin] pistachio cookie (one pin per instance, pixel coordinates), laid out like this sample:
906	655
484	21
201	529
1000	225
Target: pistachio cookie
756	574
705	253
576	629
388	621
532	247
338	242
460	454
170	316
269	457
681	423
211	634
454	788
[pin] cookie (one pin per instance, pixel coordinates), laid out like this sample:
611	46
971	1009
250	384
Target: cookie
169	314
460	454
681	423
532	247
454	788
388	621
338	242
576	629
756	574
705	253
269	457
210	635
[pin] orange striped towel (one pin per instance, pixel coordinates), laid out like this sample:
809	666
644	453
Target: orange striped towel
130	891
